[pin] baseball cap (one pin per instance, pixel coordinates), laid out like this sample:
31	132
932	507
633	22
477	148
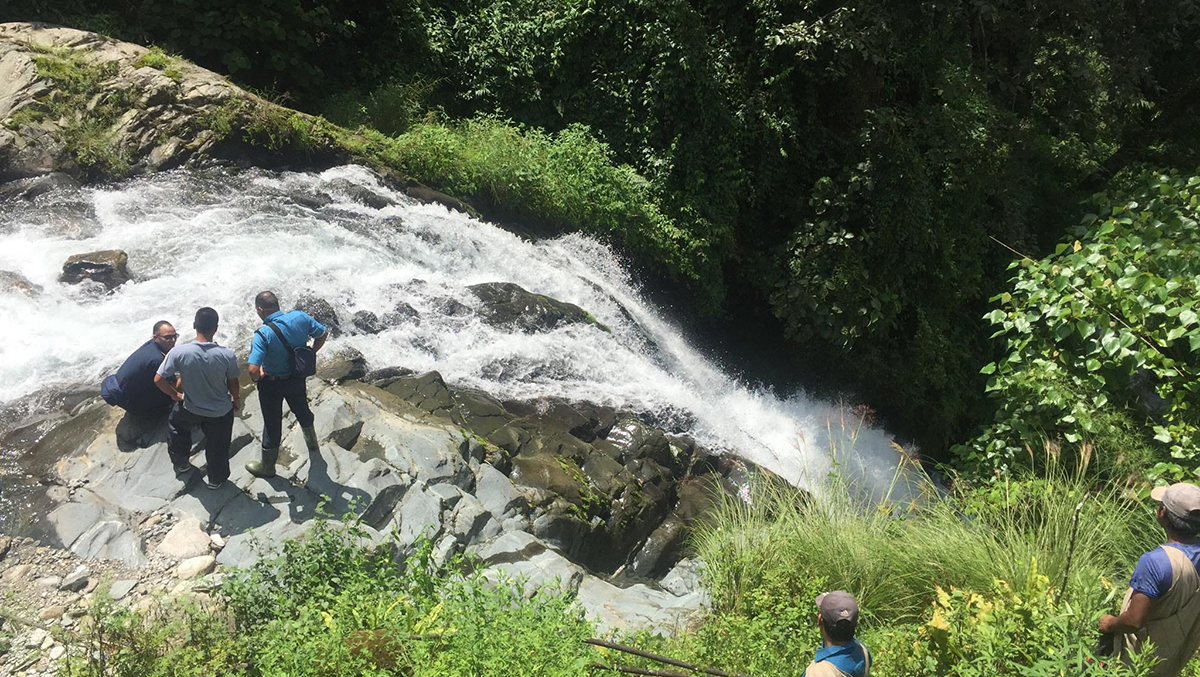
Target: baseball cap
1181	500
838	606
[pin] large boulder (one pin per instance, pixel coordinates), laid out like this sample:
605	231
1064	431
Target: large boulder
510	306
108	267
144	114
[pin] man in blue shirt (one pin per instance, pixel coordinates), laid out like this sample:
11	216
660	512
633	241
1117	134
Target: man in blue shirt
271	367
209	374
132	387
1162	604
842	655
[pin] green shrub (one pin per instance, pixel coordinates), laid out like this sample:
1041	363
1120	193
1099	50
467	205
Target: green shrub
1004	630
87	107
1102	341
390	109
159	60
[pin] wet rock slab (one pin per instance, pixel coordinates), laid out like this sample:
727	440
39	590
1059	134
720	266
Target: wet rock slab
546	493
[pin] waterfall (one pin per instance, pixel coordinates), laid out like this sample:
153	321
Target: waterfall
216	239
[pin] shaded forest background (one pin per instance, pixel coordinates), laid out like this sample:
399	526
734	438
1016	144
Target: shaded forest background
842	167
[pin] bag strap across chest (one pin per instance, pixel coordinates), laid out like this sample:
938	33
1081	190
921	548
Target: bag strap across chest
279	333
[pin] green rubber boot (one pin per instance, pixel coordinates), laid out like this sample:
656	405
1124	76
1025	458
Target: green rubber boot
265	467
310	438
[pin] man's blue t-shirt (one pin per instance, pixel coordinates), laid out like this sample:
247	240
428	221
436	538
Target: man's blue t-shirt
1152	575
136	380
268	352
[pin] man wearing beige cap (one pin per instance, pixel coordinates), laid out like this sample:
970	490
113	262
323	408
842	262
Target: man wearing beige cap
1163	601
842	655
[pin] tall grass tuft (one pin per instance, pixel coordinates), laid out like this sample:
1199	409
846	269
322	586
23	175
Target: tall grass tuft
893	558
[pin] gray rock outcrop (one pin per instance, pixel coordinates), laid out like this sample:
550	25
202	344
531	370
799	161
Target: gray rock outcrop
540	493
138	114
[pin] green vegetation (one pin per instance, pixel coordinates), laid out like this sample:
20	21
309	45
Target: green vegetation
160	61
330	606
1103	342
88	108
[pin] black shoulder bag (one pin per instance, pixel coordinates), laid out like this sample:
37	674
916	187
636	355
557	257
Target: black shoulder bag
302	359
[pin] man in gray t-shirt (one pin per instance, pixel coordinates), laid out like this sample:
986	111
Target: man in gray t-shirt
210	395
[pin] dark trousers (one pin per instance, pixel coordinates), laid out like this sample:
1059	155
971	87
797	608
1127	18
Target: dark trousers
217	432
271	394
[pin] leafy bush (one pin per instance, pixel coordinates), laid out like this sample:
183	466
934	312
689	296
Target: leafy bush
88	106
391	109
330	606
1007	631
1103	341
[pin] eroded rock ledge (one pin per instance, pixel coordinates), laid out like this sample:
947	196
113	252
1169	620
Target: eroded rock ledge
558	494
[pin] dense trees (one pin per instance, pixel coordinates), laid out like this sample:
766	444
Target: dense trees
849	163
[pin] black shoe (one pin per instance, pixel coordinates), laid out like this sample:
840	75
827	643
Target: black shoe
215	485
183	469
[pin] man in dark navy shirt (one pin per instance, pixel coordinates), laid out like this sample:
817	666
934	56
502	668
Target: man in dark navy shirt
132	387
272	368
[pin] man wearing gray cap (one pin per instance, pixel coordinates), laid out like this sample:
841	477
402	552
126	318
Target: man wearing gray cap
1163	601
842	655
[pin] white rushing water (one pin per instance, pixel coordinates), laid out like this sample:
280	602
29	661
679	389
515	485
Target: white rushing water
217	239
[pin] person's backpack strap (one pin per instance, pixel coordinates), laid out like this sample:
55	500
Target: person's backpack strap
279	333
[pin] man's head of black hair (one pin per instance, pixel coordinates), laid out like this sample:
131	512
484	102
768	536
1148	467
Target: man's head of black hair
206	321
266	303
839	630
1178	526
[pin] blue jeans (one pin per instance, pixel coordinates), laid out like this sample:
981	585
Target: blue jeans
271	395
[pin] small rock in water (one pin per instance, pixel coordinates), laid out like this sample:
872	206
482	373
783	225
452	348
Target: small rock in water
109	268
196	566
367	322
77	580
321	311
